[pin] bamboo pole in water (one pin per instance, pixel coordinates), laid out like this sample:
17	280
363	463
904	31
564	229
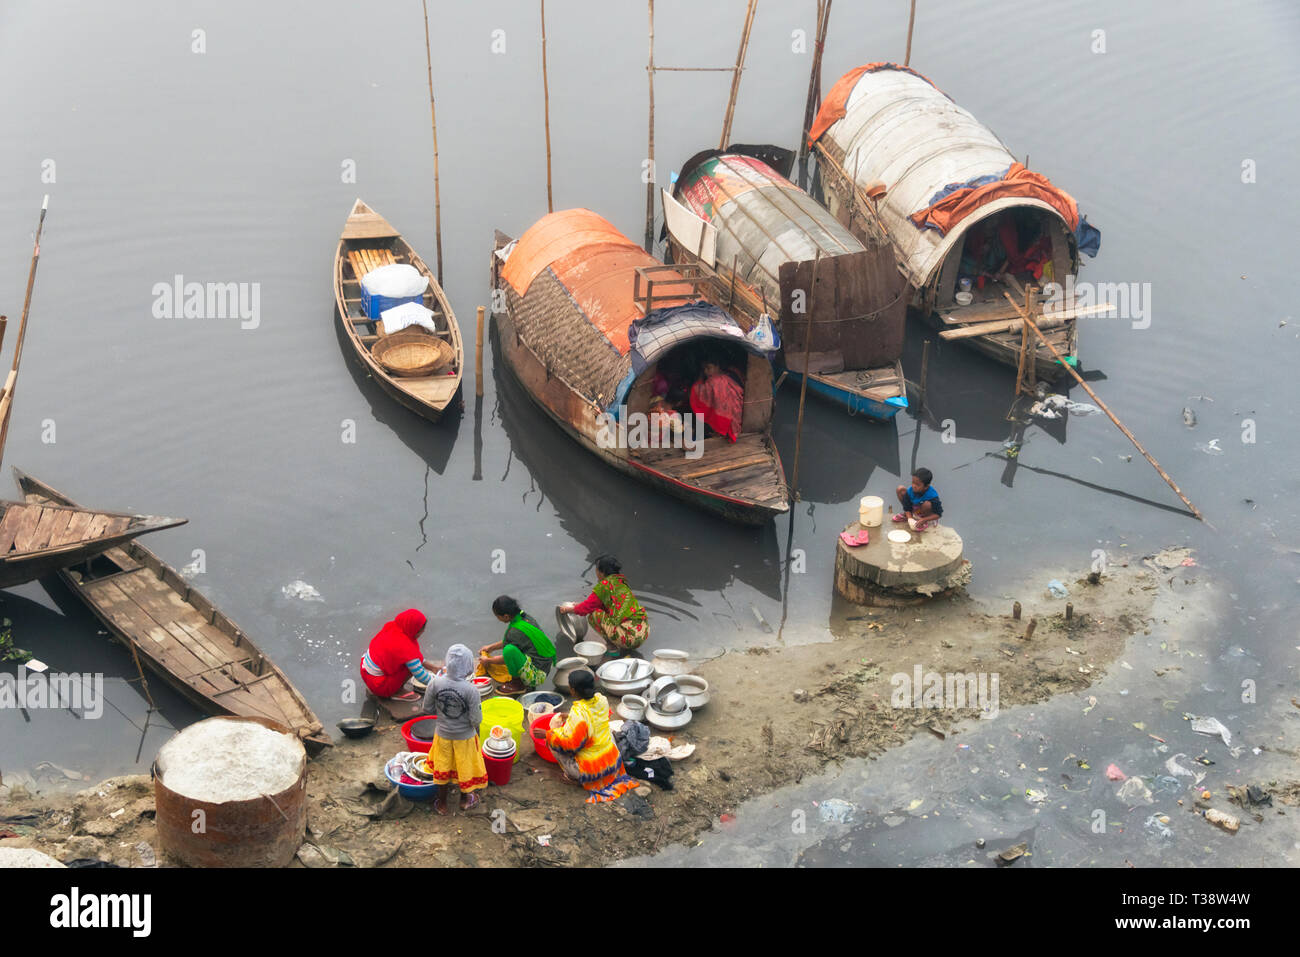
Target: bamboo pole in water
433	120
911	20
7	398
1029	323
478	353
650	173
546	114
803	385
814	87
735	76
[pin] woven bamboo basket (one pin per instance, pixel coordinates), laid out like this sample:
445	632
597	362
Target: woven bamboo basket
411	353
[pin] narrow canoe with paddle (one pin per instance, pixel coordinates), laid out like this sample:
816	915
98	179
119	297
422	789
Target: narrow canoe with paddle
177	633
419	365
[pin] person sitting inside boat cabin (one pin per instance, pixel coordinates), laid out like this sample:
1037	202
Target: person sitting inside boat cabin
394	656
527	654
612	609
720	398
583	745
920	501
455	756
665	421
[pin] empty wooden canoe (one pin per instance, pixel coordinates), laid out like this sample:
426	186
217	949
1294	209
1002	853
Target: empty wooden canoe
178	633
368	242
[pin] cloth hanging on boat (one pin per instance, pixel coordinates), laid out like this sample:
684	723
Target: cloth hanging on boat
834	106
960	200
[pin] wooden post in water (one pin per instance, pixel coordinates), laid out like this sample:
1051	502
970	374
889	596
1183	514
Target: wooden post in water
911	21
803	384
1102	405
7	396
546	116
433	120
650	149
478	353
735	76
925	368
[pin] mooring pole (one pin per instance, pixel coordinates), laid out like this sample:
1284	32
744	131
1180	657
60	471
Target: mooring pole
814	88
1102	405
433	120
803	385
478	353
546	114
650	149
911	20
735	76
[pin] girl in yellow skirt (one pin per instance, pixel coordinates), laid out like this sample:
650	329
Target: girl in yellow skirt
455	755
583	745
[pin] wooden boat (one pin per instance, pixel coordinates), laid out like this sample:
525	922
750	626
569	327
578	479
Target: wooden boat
591	320
37	539
177	632
743	222
896	154
368	242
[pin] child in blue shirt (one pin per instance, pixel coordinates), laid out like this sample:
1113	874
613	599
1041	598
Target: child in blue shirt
920	501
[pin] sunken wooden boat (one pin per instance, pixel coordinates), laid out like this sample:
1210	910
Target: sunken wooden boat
37	539
367	243
591	323
178	633
896	154
762	237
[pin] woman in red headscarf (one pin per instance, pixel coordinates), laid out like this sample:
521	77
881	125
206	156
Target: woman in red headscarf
394	655
720	399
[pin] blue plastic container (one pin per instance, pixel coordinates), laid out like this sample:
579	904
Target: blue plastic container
375	305
412	792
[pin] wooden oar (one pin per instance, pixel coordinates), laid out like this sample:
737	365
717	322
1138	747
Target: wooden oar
7	398
1102	405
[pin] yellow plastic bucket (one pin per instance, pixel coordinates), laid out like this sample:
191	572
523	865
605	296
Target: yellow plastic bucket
508	713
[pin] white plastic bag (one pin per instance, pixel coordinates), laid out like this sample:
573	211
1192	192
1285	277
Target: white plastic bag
395	281
764	334
407	314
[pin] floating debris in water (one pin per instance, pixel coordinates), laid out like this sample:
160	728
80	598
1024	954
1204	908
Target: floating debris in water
300	589
1209	448
836	811
1189	417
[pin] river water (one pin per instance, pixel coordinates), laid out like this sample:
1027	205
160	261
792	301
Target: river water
234	165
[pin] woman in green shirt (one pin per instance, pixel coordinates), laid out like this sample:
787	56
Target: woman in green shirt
612	609
526	654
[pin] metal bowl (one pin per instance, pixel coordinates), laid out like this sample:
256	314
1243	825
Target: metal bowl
356	727
670	661
674	702
573	627
593	651
695	689
624	671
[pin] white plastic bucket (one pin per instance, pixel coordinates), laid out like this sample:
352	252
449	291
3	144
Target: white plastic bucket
871	511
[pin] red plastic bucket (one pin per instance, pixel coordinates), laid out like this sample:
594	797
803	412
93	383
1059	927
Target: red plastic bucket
498	769
541	724
414	743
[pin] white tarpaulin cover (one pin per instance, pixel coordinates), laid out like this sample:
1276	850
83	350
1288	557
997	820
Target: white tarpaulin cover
685	227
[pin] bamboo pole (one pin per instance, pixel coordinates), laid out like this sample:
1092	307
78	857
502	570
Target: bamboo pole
1102	405
4	324
433	120
478	353
803	384
735	76
925	368
814	88
911	21
546	115
650	183
11	382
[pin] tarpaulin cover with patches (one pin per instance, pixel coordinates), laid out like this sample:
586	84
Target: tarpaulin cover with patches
597	266
836	102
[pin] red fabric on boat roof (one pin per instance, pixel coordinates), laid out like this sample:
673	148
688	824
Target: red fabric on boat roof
1019	181
834	105
597	265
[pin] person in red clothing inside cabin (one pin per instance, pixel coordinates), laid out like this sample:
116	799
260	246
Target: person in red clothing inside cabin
720	398
394	656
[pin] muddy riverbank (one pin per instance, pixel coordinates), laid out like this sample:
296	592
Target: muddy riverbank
777	715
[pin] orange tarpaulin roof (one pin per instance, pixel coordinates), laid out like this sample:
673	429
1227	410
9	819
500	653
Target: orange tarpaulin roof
595	262
955	207
835	103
